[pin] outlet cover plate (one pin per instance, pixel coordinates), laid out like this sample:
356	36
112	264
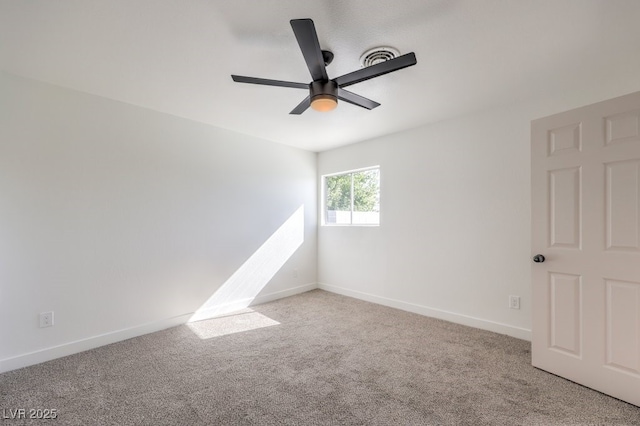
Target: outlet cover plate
514	302
46	319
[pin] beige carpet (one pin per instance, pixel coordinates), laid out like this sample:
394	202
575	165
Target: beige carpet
312	359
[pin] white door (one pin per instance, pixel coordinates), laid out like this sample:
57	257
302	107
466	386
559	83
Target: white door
585	172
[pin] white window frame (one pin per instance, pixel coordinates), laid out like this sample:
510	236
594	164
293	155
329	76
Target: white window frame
323	195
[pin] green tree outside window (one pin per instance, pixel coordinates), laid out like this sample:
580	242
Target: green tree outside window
352	192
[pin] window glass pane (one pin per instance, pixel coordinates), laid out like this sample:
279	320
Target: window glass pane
338	202
366	197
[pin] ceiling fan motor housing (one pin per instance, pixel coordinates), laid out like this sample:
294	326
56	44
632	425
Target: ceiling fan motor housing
324	89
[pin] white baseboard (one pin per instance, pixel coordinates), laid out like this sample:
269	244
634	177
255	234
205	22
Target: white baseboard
509	330
70	348
236	305
92	342
264	298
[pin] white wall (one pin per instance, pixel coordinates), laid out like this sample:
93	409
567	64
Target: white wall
454	234
123	220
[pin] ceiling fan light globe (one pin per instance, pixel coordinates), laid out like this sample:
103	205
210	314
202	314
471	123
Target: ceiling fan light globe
324	103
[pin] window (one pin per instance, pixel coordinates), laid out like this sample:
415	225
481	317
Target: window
352	198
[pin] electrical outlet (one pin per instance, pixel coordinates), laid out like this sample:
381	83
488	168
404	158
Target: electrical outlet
46	319
514	302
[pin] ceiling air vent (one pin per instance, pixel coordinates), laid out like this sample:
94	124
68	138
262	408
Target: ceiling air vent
377	55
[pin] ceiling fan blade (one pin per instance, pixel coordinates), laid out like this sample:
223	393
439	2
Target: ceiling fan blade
307	38
267	82
302	106
377	70
354	99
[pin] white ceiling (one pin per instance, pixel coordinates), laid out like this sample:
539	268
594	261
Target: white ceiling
176	56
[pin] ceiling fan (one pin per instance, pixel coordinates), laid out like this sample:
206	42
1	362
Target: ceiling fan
323	92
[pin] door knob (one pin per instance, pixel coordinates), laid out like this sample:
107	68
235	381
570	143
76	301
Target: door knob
538	258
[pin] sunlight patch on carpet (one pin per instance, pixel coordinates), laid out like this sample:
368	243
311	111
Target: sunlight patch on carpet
244	320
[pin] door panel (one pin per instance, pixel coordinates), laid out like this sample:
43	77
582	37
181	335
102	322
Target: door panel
565	140
623	326
565	320
585	173
565	208
623	127
622	196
